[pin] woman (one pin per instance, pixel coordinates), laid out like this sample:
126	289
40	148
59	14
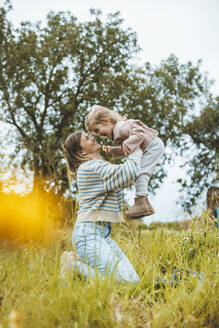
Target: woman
100	202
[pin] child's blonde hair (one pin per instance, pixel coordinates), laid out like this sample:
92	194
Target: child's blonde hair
98	114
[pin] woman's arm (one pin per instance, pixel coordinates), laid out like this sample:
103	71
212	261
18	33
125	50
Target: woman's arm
117	177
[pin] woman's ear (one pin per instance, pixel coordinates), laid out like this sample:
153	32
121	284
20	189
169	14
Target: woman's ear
83	153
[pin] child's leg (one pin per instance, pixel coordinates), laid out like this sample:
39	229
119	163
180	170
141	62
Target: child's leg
98	251
150	157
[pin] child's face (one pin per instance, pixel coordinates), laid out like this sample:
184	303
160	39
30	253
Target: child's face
103	130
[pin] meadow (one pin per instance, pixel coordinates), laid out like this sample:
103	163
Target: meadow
33	296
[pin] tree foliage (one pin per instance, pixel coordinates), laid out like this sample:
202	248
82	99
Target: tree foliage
201	149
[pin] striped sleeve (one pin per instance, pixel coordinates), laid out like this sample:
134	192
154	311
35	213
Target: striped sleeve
116	177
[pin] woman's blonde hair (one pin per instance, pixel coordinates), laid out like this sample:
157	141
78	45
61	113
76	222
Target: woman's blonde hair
73	154
98	114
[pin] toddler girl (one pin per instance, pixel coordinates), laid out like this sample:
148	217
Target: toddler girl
129	134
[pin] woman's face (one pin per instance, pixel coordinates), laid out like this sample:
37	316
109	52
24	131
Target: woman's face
89	144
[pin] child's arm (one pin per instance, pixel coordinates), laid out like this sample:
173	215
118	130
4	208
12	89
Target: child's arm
133	142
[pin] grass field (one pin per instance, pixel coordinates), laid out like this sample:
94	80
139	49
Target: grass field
31	295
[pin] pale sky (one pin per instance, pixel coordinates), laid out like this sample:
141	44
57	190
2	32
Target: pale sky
187	28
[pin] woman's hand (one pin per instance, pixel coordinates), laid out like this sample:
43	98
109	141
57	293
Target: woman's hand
126	150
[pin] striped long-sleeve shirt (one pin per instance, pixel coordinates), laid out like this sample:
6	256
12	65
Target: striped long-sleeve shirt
100	184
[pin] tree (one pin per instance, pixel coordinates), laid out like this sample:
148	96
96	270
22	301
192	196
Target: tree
50	76
201	149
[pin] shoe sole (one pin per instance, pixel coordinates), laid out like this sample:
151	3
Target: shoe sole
138	216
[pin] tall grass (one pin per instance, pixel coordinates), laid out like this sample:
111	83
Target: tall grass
29	283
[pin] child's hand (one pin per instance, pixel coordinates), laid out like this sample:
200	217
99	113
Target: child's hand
126	150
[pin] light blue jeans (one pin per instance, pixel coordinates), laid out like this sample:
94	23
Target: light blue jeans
99	253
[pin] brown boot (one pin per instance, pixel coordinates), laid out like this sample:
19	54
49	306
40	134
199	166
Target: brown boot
151	209
141	208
